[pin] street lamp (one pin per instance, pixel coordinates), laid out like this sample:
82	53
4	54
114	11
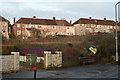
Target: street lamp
116	24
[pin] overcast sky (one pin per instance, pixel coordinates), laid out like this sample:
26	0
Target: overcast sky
69	9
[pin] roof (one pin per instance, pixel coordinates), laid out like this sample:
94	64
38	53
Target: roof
3	19
94	21
43	21
62	23
37	51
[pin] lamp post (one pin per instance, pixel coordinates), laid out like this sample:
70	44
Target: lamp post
116	24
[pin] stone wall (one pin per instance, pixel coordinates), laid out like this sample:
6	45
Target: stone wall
10	63
52	60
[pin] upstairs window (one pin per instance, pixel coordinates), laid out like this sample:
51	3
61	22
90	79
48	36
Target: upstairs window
23	26
4	23
18	25
59	27
39	26
32	26
3	31
18	32
53	27
23	32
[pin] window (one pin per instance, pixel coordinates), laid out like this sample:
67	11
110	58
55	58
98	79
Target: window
18	32
23	32
56	33
18	25
4	23
59	27
111	27
53	27
82	24
39	26
52	32
45	26
27	26
41	32
23	26
49	27
32	26
3	31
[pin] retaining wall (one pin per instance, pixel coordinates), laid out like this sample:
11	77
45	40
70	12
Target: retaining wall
52	60
10	63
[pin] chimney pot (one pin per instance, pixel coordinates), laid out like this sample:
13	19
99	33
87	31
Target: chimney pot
54	18
90	18
70	22
14	19
104	18
34	16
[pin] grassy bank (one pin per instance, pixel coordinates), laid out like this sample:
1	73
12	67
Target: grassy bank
71	46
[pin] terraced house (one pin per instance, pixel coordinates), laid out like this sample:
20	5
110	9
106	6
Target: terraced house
85	26
30	27
119	26
4	27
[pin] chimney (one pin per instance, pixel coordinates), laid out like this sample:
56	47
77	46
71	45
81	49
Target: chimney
54	18
70	22
14	19
90	18
104	18
34	16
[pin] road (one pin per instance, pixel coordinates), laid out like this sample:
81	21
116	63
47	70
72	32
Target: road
89	71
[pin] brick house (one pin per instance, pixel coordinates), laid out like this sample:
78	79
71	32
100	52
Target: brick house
25	27
119	26
4	27
89	25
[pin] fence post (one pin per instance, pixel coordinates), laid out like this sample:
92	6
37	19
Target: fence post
46	60
15	61
59	62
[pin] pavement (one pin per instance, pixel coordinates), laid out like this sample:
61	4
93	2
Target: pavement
89	71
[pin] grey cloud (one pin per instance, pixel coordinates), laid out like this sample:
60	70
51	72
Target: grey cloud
66	10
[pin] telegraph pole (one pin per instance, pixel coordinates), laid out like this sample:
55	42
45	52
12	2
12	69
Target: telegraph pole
116	24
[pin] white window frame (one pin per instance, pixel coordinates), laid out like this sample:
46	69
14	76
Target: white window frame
18	32
18	25
23	26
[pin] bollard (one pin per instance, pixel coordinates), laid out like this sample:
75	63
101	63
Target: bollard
34	73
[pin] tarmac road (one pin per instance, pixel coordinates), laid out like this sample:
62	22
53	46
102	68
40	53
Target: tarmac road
89	71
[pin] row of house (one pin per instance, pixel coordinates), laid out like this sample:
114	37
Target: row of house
30	27
25	27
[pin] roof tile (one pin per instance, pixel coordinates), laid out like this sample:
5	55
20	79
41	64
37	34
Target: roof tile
94	21
3	19
43	21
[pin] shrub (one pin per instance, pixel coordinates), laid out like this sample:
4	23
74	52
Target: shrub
12	36
22	63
